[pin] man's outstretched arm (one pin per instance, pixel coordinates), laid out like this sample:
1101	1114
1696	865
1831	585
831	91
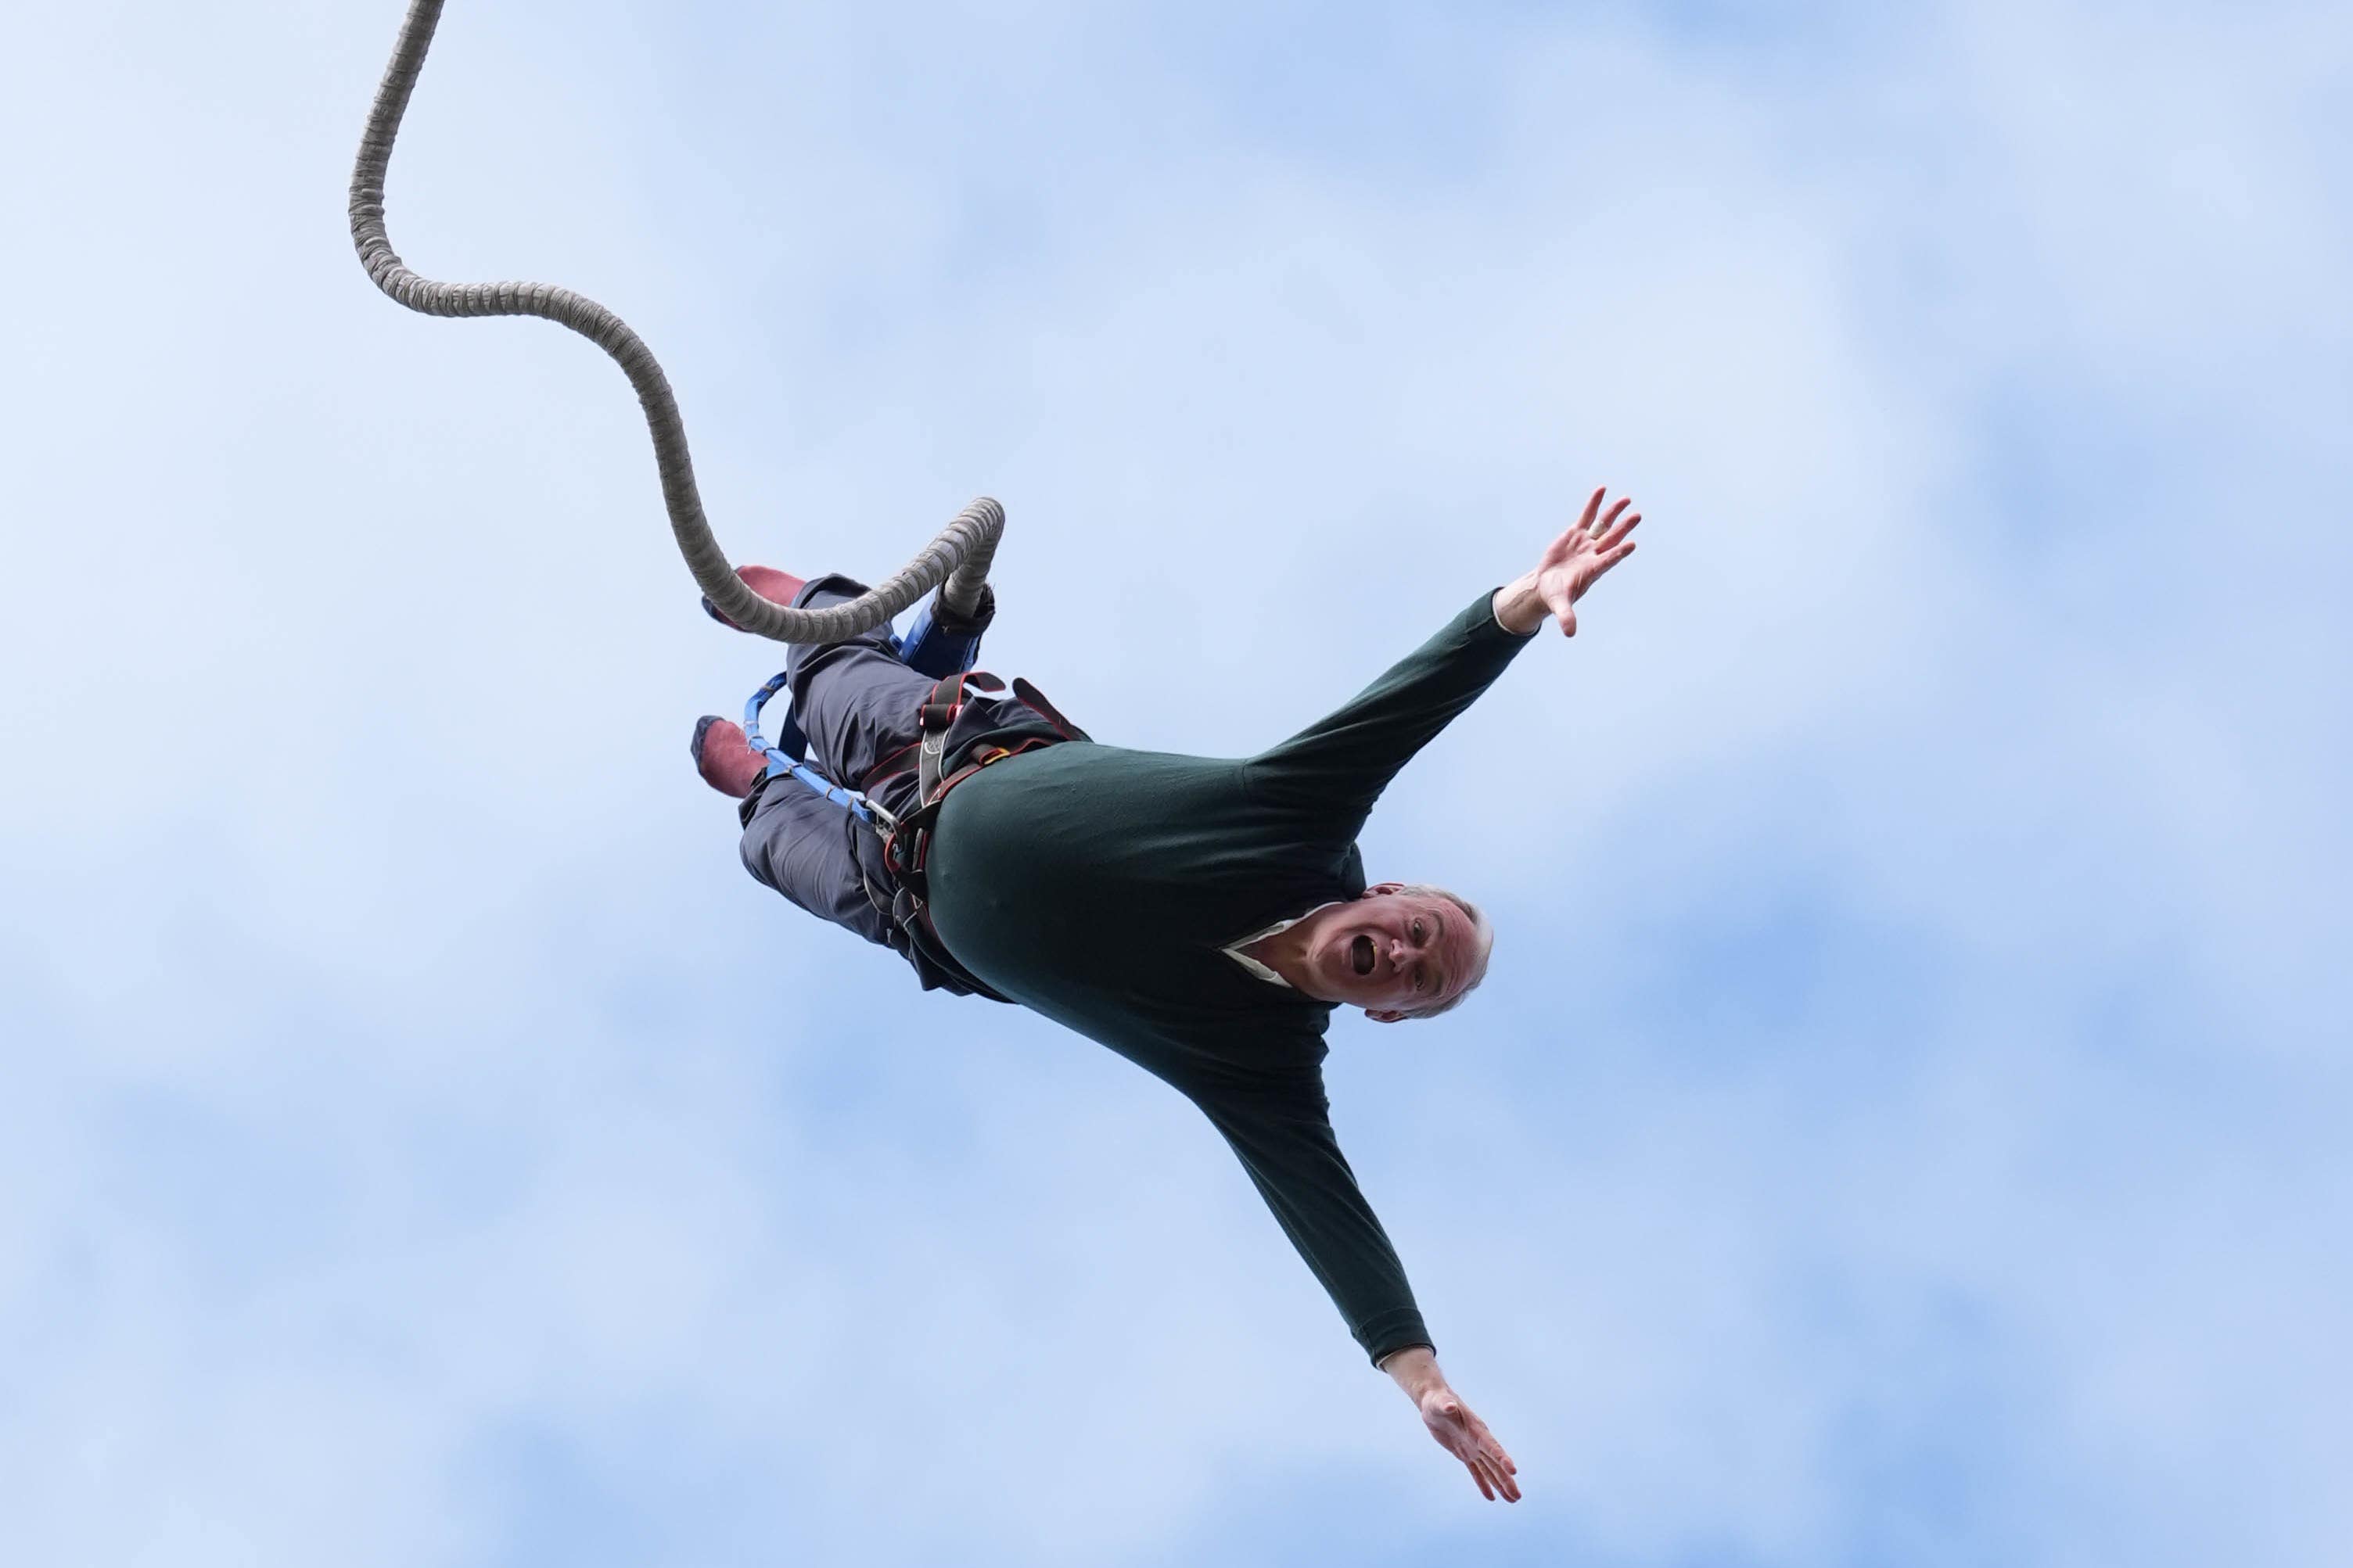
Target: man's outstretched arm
1281	1130
1335	769
1454	1424
1286	1144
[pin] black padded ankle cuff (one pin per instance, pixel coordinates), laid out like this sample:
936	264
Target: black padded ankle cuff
947	620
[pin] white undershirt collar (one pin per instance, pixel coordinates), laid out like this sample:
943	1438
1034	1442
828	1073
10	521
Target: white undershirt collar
1234	949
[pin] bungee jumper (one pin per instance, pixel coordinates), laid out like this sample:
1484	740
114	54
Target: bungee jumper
1202	917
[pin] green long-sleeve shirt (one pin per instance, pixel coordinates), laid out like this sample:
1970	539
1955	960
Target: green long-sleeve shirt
1099	886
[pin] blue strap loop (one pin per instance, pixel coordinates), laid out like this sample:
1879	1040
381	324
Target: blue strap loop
783	764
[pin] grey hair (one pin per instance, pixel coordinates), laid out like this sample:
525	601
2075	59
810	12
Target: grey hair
1482	938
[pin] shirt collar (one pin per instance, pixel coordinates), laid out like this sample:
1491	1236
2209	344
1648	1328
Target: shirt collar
1233	950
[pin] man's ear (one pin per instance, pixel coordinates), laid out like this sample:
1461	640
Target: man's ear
1385	1016
1380	887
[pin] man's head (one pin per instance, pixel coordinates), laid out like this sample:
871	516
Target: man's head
1401	951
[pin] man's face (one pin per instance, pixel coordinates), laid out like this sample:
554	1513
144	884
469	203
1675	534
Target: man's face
1391	952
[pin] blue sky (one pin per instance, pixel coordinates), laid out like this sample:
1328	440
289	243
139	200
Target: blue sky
1905	1121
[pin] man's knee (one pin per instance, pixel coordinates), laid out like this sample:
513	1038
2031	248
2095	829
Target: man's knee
833	588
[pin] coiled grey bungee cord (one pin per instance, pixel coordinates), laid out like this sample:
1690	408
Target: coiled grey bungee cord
959	556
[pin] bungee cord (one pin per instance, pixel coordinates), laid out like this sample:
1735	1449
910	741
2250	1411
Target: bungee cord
959	556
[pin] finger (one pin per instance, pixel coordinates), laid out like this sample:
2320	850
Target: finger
1501	1483
1610	519
1592	505
1617	535
1569	623
1481	1477
1505	1467
1609	559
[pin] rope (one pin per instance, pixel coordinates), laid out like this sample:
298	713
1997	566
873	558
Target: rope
960	555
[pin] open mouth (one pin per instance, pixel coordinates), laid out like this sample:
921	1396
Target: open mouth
1360	954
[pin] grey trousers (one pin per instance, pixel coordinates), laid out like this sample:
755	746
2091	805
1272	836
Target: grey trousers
856	702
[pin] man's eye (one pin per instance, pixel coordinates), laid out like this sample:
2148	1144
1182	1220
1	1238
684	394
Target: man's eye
1417	931
1418	981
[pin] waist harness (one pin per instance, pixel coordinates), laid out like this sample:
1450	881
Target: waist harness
906	836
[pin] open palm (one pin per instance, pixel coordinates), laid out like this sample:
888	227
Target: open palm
1575	560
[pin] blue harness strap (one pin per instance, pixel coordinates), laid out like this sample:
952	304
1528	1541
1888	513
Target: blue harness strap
928	648
783	764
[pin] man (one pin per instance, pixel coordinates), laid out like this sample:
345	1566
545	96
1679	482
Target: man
1199	916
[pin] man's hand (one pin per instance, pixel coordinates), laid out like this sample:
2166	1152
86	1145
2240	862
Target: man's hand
1571	565
1454	1424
